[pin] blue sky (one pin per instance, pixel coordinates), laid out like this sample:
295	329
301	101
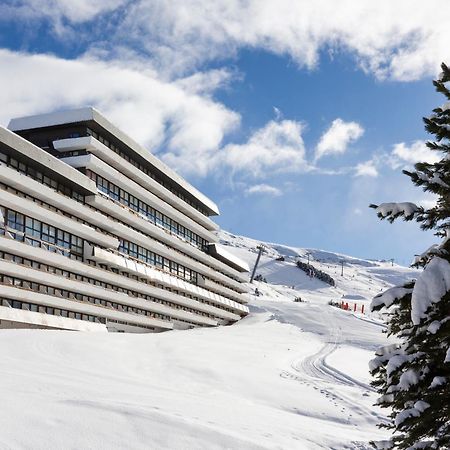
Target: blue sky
293	116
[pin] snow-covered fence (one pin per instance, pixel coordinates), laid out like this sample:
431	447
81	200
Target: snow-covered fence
313	272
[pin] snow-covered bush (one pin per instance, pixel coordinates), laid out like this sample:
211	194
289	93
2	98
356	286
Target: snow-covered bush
412	376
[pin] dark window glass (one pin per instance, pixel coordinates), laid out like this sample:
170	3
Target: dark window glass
16	220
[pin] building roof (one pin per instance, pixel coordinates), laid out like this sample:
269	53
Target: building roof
91	114
47	162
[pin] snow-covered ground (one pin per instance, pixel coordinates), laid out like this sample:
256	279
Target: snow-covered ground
289	376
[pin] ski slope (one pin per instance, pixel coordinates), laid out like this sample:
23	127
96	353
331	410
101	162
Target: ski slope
361	281
289	376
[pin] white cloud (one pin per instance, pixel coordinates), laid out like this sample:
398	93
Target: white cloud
275	148
172	119
154	112
185	128
58	12
403	40
264	189
205	83
337	138
366	169
427	203
402	154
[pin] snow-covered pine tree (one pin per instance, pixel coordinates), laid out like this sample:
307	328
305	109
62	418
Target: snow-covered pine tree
413	376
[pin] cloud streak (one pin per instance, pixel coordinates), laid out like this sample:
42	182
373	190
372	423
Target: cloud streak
265	189
277	147
402	40
177	120
161	115
404	155
337	138
366	169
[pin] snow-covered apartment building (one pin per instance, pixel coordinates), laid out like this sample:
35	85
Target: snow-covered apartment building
98	234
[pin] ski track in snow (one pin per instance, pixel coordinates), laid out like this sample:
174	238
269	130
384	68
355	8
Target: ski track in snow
316	372
315	366
339	331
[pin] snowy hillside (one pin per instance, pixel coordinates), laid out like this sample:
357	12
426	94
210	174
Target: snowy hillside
289	376
362	279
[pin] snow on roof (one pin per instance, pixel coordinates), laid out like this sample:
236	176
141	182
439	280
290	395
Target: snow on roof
51	119
88	114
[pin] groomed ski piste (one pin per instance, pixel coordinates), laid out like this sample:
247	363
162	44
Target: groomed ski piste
292	375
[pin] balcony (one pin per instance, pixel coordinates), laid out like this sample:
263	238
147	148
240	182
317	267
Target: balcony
159	277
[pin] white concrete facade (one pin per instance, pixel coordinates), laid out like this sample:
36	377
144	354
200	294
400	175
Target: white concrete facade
91	114
97	234
102	152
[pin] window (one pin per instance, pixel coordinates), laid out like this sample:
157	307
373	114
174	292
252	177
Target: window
15	220
35	231
33	227
119	195
48	233
158	261
76	245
